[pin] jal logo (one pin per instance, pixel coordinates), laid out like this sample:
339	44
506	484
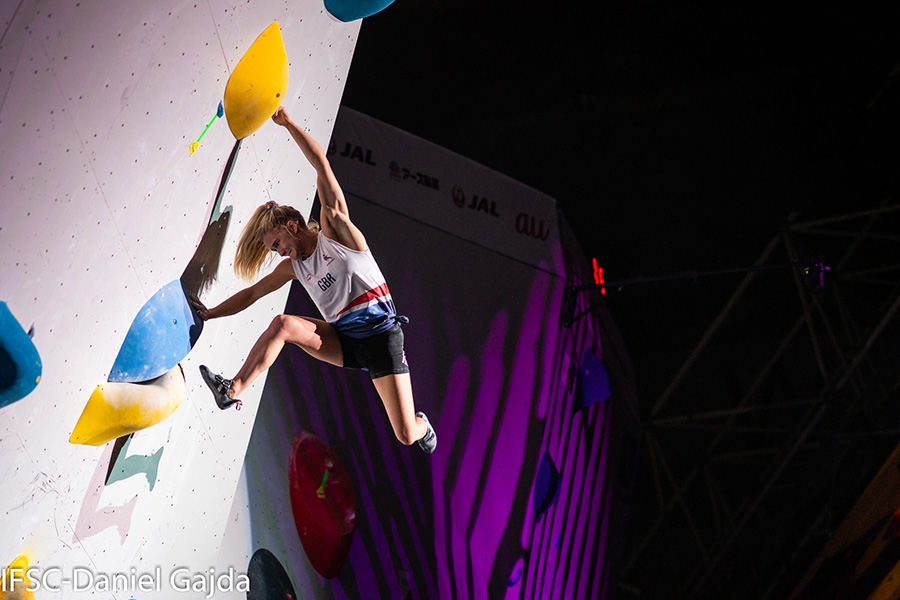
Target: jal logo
480	204
532	226
484	205
459	196
354	152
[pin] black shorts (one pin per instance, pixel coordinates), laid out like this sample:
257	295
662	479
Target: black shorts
381	354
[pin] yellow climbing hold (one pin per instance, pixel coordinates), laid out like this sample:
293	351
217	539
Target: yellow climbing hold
15	581
116	408
258	84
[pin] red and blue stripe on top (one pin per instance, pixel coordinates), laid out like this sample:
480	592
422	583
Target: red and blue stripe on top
348	288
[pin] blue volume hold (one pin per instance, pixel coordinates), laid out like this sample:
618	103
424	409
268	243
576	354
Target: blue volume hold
161	335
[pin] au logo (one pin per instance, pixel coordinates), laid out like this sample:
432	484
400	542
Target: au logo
531	226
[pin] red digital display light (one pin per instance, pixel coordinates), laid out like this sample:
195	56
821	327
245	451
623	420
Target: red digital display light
598	277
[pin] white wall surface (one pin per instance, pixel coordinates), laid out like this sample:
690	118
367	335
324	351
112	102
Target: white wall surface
100	206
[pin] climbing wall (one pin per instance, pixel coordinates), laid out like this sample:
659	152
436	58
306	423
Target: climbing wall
104	211
535	420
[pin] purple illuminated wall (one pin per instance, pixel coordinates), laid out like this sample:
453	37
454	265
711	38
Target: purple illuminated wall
497	374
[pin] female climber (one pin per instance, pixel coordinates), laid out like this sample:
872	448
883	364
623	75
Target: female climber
360	330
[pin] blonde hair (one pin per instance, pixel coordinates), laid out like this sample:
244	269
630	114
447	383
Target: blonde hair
252	254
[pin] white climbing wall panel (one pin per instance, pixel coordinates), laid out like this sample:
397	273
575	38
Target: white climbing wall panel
101	205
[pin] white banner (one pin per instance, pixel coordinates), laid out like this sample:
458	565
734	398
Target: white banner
444	190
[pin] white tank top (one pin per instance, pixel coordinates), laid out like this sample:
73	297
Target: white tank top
347	287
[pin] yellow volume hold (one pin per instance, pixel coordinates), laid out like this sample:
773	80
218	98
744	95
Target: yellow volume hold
15	583
116	408
258	84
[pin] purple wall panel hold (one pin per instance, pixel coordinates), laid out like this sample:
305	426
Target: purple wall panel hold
593	382
546	486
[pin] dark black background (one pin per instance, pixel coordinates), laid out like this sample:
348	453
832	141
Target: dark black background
675	137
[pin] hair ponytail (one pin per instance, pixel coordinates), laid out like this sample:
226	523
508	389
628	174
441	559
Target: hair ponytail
252	254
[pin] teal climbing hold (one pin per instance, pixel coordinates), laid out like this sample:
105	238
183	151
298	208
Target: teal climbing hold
20	363
352	10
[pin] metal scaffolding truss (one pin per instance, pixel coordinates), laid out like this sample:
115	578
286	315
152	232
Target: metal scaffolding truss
776	421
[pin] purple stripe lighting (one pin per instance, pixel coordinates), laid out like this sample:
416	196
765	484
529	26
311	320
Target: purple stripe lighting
509	456
499	386
467	484
458	382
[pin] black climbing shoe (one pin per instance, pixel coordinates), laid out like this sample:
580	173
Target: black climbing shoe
428	443
219	386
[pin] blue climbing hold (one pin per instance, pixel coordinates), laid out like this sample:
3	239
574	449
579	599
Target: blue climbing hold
351	10
518	571
20	363
161	335
546	487
593	382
